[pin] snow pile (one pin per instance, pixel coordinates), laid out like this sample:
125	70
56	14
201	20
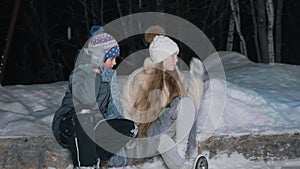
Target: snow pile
259	98
28	109
251	98
256	98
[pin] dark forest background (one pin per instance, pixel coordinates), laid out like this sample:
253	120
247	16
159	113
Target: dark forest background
36	48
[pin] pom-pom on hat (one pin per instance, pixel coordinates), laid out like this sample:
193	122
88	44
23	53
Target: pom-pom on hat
102	44
153	31
162	47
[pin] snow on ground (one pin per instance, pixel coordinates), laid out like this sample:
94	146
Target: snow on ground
222	161
237	161
259	99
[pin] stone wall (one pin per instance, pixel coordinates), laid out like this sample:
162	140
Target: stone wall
43	152
40	152
255	147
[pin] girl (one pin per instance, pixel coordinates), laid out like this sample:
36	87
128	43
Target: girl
164	106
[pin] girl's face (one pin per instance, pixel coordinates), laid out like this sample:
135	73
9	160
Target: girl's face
110	63
170	62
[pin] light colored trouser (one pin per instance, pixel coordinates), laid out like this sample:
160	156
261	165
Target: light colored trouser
172	150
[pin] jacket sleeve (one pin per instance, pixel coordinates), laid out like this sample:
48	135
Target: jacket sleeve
103	98
86	85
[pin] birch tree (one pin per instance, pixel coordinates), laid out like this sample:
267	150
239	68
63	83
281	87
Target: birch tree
230	35
270	13
255	31
86	14
235	10
4	57
278	31
125	31
262	36
159	6
101	12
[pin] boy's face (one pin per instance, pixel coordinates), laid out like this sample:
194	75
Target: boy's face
110	63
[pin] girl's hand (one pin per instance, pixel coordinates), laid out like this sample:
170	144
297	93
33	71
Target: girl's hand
197	70
97	70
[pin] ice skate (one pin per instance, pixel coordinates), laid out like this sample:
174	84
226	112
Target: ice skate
199	163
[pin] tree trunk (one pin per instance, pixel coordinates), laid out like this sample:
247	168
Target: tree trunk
159	6
188	9
93	8
4	57
255	33
178	12
278	31
230	36
262	32
119	8
121	15
52	73
130	5
86	15
236	15
101	12
140	4
270	12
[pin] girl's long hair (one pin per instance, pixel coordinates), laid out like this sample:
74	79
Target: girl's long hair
150	102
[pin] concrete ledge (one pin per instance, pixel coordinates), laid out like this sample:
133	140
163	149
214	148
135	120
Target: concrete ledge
255	147
43	152
32	152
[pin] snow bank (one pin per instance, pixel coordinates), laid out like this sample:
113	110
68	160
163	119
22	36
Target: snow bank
251	99
259	98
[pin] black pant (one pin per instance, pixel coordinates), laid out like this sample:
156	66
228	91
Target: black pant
81	143
80	137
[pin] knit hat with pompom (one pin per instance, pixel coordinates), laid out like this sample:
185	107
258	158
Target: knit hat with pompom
162	47
153	31
102	45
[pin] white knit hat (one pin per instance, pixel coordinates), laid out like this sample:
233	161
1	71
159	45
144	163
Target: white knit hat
162	47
